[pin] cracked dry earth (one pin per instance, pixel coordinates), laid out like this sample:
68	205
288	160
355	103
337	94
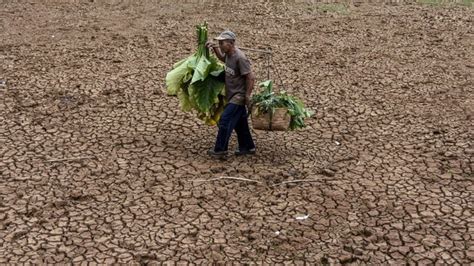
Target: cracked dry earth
99	165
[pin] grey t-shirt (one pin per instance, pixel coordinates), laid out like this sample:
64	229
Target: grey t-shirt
236	67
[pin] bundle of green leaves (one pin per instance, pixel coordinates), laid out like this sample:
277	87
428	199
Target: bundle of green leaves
266	101
195	81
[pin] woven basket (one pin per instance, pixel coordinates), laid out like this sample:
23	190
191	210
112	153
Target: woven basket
279	121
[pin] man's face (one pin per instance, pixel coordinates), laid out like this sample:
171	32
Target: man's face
225	45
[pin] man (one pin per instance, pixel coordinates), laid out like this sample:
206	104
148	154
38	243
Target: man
239	82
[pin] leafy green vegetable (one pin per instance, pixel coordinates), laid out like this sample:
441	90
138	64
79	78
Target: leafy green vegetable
267	101
194	81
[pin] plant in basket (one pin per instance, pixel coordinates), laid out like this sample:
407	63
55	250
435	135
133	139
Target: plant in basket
277	111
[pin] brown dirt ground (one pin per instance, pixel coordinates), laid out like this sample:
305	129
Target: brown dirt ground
99	165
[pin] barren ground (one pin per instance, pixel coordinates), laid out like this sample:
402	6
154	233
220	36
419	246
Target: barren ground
97	164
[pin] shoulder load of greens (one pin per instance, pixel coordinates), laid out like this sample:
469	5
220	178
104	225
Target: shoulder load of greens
194	80
266	101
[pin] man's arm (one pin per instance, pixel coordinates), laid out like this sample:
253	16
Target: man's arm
219	53
216	49
249	82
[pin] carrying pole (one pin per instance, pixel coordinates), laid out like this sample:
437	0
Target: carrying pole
268	57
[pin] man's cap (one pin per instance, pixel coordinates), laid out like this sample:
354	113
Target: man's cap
225	35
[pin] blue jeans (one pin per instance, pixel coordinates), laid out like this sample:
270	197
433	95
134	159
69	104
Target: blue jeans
234	117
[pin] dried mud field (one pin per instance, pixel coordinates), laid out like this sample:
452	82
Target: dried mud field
99	165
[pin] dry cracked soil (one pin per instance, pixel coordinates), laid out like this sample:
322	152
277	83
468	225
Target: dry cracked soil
99	165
